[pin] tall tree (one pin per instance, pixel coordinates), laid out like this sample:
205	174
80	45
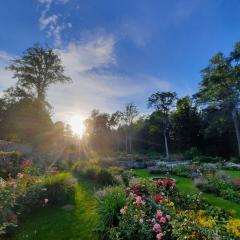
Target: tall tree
163	102
186	123
220	86
128	115
35	71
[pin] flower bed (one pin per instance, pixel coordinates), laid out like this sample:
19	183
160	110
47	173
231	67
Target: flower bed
156	210
221	186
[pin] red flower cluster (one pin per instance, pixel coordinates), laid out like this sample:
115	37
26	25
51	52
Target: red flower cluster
166	182
136	189
157	198
237	182
26	163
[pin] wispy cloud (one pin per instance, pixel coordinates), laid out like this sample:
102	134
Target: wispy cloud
5	75
51	23
95	85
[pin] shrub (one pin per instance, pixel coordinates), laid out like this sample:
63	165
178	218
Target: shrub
104	177
207	159
60	188
9	163
191	153
109	209
126	177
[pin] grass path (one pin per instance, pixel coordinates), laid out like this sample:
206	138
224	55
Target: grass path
57	223
186	185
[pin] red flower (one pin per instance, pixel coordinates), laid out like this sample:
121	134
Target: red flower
26	163
166	182
136	189
157	198
237	182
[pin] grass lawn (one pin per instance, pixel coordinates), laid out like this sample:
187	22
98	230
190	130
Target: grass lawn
186	185
57	223
233	173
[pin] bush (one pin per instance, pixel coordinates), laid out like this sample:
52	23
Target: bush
207	159
126	177
104	177
109	209
9	163
93	172
191	153
60	188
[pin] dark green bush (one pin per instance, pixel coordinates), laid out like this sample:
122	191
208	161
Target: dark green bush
104	177
207	159
191	153
109	209
91	172
9	163
60	188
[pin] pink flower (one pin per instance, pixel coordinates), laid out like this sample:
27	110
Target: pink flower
139	201
159	214
162	220
157	228
168	217
14	185
159	236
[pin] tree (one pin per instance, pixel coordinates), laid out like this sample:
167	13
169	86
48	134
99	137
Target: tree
163	102
128	115
186	124
220	86
35	71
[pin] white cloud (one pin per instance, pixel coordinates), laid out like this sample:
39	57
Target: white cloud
5	75
94	85
52	23
88	55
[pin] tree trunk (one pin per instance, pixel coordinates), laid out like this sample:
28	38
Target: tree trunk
130	139
130	143
166	144
126	143
236	126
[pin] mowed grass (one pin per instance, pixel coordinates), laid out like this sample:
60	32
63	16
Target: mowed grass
232	173
57	223
186	185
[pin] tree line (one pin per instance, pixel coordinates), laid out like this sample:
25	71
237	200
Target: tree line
207	121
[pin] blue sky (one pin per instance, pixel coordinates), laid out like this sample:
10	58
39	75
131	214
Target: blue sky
119	51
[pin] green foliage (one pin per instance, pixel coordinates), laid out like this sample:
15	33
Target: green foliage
9	163
191	153
222	187
26	193
60	188
109	209
207	159
93	172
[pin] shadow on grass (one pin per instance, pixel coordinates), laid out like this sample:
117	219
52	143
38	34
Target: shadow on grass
78	223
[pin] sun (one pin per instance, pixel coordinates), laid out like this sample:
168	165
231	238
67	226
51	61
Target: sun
77	124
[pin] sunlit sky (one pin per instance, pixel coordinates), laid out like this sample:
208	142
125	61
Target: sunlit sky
119	51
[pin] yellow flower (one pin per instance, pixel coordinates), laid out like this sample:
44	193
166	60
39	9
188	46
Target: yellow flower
204	221
233	227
